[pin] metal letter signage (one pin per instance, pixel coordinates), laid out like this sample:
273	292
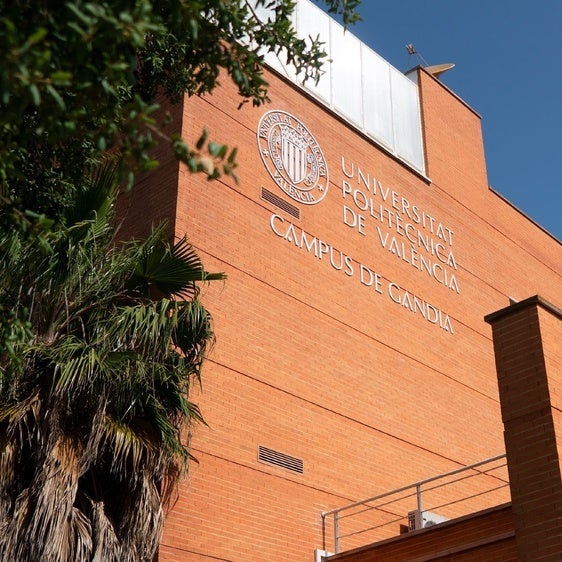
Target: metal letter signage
292	157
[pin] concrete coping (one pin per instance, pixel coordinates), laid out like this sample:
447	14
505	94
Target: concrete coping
533	301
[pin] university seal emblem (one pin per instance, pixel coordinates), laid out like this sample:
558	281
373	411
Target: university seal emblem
292	157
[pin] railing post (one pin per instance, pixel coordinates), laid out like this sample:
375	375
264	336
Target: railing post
419	499
336	533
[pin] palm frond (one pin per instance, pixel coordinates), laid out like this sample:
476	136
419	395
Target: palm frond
98	352
75	540
144	516
92	208
42	510
75	365
172	271
129	448
106	545
194	330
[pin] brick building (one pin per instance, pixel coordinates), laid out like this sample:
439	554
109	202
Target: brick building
363	248
527	338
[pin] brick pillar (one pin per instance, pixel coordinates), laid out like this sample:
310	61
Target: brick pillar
528	349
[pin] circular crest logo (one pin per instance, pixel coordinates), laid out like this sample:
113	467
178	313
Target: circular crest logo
292	157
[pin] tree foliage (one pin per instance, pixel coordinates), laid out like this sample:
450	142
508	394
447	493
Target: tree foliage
79	79
101	339
94	392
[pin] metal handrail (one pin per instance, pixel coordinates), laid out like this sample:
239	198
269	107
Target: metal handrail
417	485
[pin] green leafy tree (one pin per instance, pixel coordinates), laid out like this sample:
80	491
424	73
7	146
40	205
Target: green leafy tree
79	79
101	339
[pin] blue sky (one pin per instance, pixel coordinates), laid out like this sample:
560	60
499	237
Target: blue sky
508	57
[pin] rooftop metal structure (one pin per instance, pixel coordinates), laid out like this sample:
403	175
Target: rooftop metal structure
444	496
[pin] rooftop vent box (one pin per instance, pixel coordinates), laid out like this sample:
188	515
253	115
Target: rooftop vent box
423	519
321	555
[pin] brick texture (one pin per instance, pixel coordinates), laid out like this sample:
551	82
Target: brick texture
527	340
314	363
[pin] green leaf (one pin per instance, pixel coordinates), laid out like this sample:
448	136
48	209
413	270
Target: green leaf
217	150
202	139
35	38
56	96
61	78
35	95
232	156
79	14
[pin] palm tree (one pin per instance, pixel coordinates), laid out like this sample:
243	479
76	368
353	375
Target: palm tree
99	345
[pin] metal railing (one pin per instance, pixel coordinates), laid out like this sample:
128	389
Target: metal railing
394	510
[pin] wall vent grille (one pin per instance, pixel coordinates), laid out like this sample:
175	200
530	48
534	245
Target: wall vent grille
280	203
280	459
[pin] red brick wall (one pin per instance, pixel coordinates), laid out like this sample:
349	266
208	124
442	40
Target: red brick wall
527	340
154	197
311	362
